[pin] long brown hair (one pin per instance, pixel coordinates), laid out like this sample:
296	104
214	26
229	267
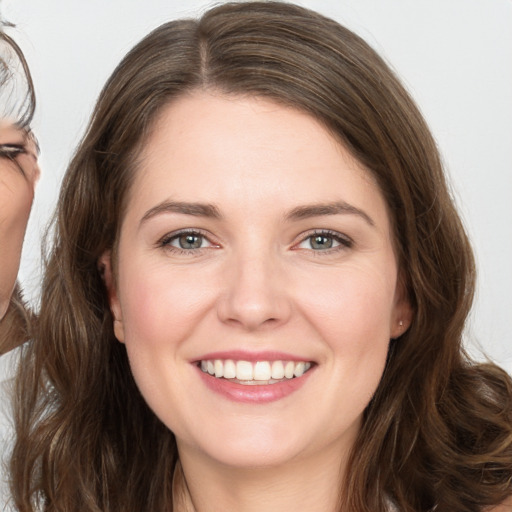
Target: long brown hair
17	104
437	433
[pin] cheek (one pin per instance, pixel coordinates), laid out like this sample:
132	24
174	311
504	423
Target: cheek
352	306
158	314
15	202
160	307
351	310
353	316
16	196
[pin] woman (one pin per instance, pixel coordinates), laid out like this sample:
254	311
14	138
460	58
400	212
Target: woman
18	174
257	290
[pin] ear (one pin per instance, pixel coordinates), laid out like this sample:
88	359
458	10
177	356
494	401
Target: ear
107	274
402	314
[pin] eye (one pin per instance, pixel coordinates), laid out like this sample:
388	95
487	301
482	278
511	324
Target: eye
325	241
186	241
11	150
321	242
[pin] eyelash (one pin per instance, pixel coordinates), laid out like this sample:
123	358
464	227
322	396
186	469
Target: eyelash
165	242
343	241
11	151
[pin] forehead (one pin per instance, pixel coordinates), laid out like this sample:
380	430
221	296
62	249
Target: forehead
9	129
207	146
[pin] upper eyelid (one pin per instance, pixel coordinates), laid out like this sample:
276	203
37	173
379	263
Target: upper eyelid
344	242
302	236
29	139
193	231
11	150
324	232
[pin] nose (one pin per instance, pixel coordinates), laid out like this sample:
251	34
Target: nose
254	294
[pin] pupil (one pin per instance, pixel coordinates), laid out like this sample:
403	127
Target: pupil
190	241
321	242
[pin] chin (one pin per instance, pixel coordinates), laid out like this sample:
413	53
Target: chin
264	445
254	457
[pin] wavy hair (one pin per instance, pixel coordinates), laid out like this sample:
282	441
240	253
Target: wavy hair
438	432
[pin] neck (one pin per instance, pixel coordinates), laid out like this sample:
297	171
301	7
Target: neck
312	484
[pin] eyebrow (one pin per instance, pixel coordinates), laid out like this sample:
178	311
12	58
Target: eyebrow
184	208
300	212
321	209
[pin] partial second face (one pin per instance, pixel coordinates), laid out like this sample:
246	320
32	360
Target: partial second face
257	283
18	173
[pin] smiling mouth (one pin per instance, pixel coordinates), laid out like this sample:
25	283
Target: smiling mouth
257	373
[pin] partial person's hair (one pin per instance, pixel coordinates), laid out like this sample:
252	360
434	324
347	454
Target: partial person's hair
438	432
17	95
16	325
17	105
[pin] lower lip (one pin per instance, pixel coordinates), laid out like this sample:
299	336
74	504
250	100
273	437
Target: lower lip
254	394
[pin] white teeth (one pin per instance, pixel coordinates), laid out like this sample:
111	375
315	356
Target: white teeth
288	369
219	368
262	370
244	370
258	372
277	370
229	369
299	369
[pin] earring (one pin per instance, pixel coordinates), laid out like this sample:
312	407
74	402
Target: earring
400	326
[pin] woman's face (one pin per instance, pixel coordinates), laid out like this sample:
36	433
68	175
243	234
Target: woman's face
254	247
18	174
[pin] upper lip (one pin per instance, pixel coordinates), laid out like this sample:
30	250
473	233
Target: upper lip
243	355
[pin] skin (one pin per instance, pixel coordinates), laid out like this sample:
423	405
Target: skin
256	284
17	183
